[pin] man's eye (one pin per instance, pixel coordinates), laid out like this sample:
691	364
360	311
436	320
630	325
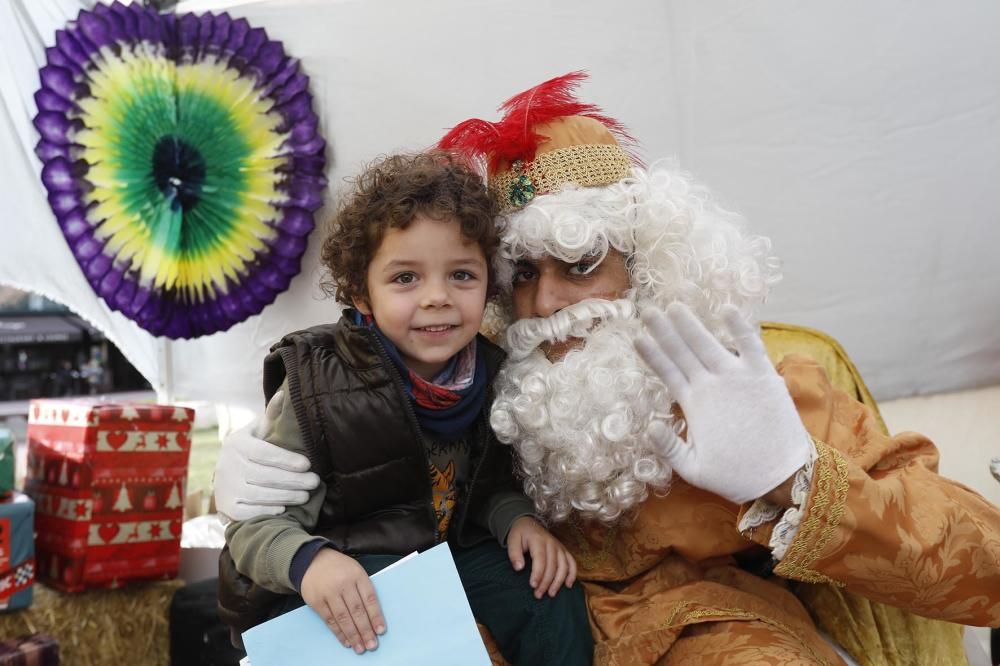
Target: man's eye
582	268
523	275
405	278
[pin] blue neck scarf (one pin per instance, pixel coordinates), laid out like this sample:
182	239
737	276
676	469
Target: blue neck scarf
444	412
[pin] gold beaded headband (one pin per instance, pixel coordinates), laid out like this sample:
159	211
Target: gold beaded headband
588	165
546	139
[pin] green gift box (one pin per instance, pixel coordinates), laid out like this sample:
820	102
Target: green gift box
6	461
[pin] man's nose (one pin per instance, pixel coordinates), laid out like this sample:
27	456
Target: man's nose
549	297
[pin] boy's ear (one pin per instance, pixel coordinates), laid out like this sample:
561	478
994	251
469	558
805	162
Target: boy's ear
361	305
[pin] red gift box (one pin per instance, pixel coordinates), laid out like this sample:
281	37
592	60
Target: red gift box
108	484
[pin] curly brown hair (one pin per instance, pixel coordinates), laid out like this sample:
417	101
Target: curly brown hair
389	194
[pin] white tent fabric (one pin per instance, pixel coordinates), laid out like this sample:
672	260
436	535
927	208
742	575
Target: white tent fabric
861	137
33	254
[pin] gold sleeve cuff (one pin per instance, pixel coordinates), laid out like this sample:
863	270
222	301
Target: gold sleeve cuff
823	514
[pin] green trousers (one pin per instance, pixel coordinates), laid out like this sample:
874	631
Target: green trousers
551	631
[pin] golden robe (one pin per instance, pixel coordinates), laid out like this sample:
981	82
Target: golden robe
678	584
673	584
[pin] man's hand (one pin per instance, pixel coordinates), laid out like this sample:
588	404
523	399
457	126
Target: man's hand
744	435
551	564
339	590
256	478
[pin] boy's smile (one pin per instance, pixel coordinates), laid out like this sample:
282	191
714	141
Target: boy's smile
427	291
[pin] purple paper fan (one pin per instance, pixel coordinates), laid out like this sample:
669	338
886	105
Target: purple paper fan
186	189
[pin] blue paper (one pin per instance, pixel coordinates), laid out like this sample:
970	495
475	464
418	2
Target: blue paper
428	621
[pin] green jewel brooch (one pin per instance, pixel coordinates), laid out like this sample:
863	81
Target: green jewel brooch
522	190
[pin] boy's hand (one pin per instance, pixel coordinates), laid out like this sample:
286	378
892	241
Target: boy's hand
551	564
337	587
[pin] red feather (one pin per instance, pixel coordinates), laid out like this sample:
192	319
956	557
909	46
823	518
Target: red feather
472	140
514	137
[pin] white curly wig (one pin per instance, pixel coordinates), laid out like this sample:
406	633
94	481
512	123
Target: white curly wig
578	424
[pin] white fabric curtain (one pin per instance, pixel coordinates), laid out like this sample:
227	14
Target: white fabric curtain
861	137
33	254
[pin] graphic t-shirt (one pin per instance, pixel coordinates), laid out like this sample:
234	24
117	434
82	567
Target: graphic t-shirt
449	469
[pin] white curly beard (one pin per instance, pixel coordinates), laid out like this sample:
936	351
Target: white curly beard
579	425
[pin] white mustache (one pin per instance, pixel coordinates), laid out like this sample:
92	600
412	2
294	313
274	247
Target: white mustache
573	321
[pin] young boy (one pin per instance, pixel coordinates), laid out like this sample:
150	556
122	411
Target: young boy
391	404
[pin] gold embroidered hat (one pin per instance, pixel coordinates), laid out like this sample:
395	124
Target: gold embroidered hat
546	138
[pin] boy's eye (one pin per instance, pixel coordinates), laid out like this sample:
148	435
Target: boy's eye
463	276
405	278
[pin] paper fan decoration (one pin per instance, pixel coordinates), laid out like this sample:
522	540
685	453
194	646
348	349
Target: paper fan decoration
183	163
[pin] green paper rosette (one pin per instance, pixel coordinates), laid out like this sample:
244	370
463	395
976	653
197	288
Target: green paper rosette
183	162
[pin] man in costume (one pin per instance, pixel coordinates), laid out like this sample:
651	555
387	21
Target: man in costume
704	494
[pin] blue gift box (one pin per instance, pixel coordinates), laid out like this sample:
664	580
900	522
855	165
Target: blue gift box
17	551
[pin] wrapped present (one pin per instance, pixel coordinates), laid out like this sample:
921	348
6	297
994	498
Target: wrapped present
108	483
17	551
34	650
6	462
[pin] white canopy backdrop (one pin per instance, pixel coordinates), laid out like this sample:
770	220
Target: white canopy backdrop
863	138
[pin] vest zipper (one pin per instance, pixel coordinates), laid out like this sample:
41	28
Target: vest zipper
484	423
317	458
414	423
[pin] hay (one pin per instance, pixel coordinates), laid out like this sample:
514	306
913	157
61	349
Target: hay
101	627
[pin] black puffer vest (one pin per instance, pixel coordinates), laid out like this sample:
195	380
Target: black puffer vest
364	442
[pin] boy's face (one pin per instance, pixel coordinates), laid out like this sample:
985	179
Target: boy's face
427	291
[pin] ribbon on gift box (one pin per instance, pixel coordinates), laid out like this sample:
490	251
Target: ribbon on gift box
14	580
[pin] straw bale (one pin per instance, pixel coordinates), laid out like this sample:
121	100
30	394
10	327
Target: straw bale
129	625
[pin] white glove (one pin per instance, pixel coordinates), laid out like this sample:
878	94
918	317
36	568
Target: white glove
744	436
257	478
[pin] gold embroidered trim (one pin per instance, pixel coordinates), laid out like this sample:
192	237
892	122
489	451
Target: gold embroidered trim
587	557
719	614
587	165
829	501
670	621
